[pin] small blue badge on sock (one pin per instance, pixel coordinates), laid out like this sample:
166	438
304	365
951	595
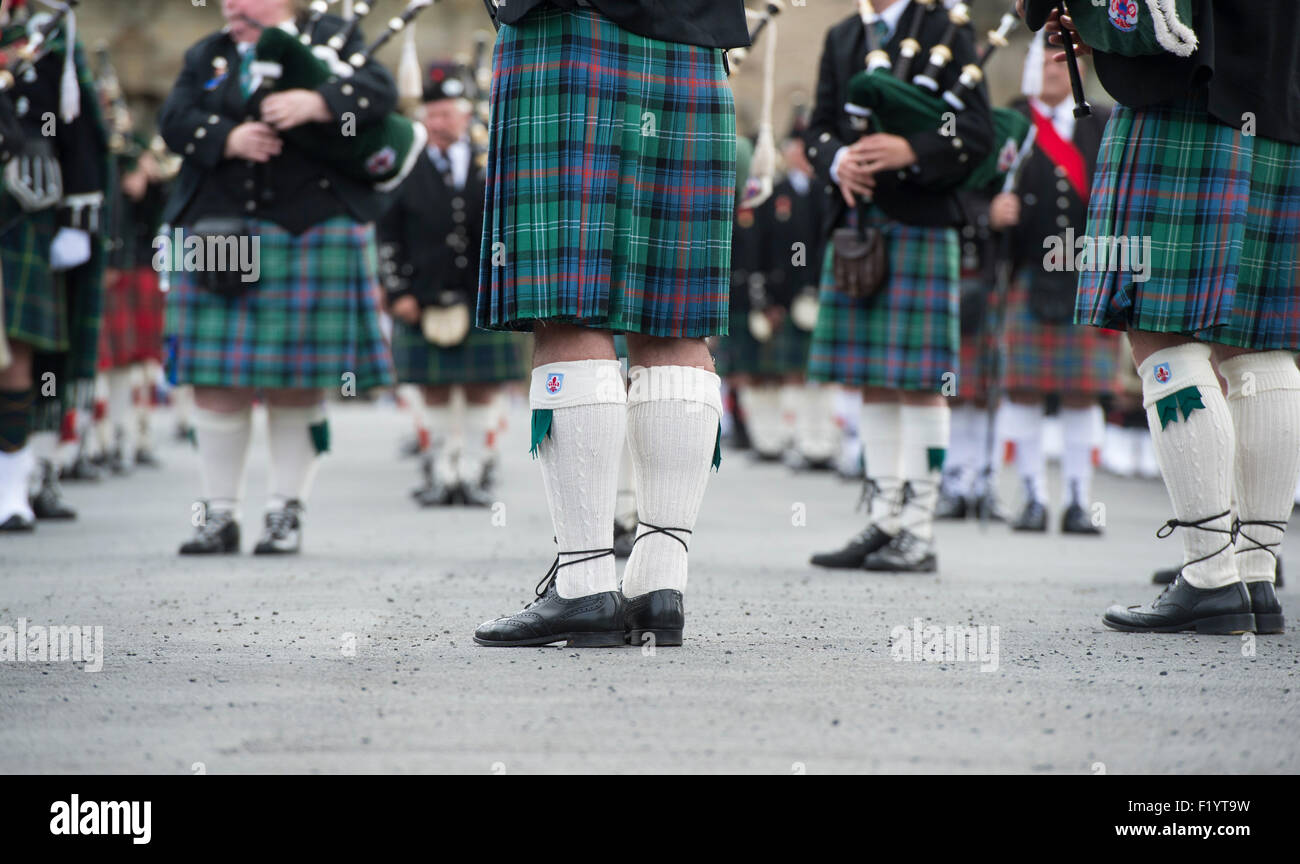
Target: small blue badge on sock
554	382
1162	373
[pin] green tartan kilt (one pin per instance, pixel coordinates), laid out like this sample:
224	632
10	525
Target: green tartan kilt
1221	210
485	357
739	353
35	303
610	180
310	320
907	337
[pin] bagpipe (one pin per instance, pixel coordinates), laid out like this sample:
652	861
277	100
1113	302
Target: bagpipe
382	153
31	172
882	97
1132	28
762	164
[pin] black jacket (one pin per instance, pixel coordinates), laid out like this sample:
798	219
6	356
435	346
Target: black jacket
708	23
1247	62
794	219
924	196
429	240
1048	203
293	190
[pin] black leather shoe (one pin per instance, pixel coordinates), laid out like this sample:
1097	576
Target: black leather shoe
1075	521
82	469
624	537
1266	607
48	502
906	553
18	524
1225	610
950	507
1164	577
219	535
986	507
594	621
660	615
282	534
1032	518
854	553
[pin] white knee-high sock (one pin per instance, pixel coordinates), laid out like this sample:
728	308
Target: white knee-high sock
959	464
1264	400
1079	426
1024	426
579	453
817	435
881	431
294	453
223	438
625	511
480	433
926	431
762	407
1195	451
120	410
440	419
672	429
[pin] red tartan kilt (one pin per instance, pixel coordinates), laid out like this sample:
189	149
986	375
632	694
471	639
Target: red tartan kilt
1052	358
133	320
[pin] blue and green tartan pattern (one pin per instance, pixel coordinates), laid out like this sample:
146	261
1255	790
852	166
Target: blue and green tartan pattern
611	181
310	320
485	357
1222	210
907	337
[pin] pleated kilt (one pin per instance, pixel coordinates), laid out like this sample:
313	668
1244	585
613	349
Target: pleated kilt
739	353
132	328
35	302
312	318
485	357
905	338
1056	358
1222	210
611	180
977	338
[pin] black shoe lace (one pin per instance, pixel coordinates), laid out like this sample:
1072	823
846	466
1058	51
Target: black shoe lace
280	522
667	532
1173	524
1278	525
551	575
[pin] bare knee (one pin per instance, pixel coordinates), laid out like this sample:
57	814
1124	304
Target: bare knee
223	400
563	343
656	351
295	397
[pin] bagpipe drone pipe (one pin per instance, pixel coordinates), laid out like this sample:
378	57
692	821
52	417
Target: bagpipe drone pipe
882	98
382	153
760	168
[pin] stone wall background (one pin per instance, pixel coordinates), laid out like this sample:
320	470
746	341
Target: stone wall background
148	38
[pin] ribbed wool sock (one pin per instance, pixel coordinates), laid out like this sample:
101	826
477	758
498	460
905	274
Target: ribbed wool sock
579	423
672	430
1024	427
121	416
926	430
1079	427
881	431
762	407
1264	400
223	438
444	440
1191	430
817	434
479	424
625	509
959	464
296	442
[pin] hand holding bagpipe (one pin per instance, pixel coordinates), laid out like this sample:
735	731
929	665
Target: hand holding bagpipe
1051	14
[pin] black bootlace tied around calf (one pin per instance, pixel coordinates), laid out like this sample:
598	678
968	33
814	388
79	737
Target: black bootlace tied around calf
551	575
1169	527
667	532
1279	525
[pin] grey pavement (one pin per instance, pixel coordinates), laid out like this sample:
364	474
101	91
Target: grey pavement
357	656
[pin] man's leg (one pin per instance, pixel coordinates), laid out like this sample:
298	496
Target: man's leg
16	400
1192	432
298	433
1022	416
925	428
476	466
223	423
439	463
1264	400
579	419
1080	419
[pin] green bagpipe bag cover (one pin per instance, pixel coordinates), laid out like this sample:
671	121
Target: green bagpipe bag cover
381	154
1133	28
896	107
1010	128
